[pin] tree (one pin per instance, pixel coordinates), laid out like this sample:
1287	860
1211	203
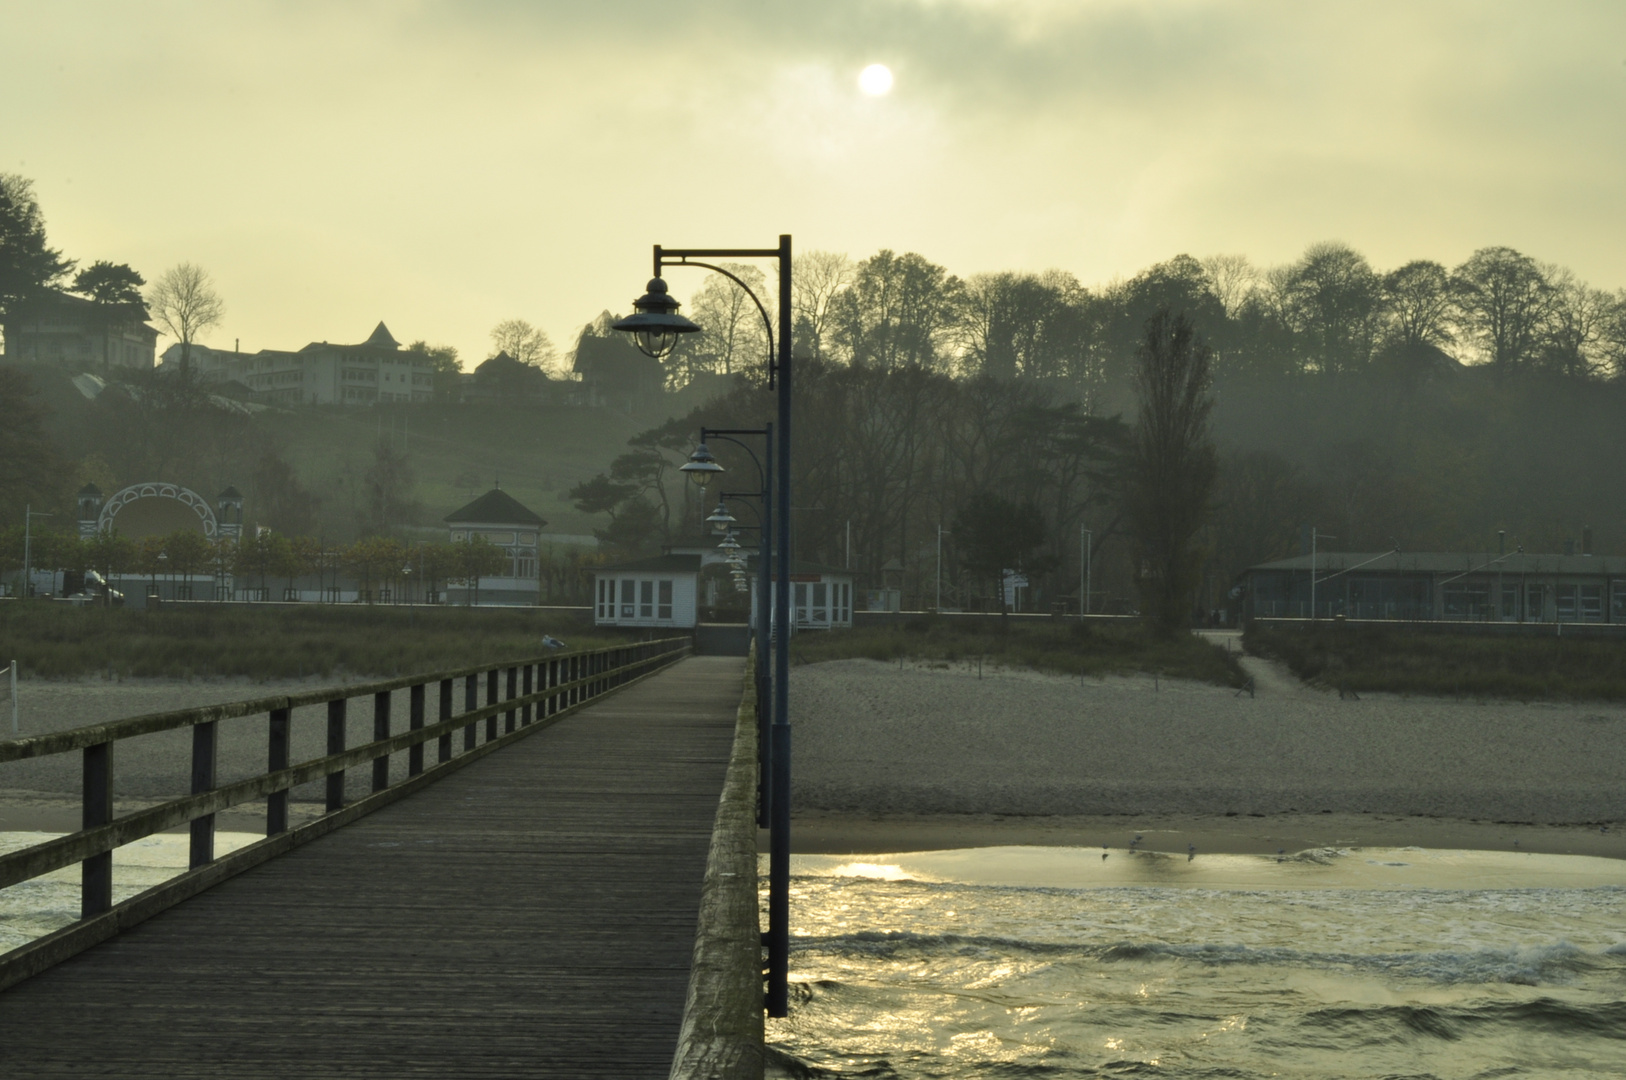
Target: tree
31	472
27	265
1419	301
1232	278
899	310
735	336
387	491
1171	469
1332	300
1577	326
115	289
1503	300
280	501
184	302
994	535
447	367
524	343
817	278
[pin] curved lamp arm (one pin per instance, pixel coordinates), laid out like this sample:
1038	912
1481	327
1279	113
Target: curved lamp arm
767	323
712	433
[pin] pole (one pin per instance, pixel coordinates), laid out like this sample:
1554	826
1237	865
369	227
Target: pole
14	697
765	681
28	535
1089	566
1312	573
939	608
779	828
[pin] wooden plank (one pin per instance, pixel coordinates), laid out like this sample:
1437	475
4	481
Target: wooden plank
532	915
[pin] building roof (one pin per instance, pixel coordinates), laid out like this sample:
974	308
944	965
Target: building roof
381	338
673	564
1438	562
495	507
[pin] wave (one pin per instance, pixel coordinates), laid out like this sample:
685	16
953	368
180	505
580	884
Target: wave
1528	966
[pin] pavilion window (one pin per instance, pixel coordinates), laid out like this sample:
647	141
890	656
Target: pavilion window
665	609
646	599
629	600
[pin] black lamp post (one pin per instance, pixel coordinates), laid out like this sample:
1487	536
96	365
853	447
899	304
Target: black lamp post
655	325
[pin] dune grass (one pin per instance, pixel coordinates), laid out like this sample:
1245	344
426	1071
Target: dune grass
54	641
1065	649
1418	662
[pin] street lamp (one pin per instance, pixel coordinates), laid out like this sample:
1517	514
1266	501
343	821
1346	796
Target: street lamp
721	520
701	466
655	326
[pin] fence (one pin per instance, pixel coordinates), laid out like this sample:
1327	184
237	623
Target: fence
538	692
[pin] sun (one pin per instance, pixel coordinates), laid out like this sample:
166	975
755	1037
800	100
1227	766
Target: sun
875	80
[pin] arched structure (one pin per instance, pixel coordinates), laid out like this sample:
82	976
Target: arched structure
156	508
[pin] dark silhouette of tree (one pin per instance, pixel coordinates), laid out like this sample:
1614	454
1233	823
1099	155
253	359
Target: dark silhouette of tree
28	266
1419	300
115	289
31	473
899	310
1503	300
447	369
994	534
1332	299
387	491
1171	470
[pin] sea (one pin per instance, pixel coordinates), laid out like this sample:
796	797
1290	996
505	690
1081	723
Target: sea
1081	962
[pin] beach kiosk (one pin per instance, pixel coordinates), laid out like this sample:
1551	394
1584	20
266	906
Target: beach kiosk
656	592
821	597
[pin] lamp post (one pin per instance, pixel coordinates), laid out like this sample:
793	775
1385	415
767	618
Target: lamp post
1088	539
701	467
655	326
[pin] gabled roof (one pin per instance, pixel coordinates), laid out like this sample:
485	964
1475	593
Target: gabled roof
674	564
495	507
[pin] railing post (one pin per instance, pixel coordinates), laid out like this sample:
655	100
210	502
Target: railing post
415	723
276	803
204	757
491	699
381	730
513	692
553	681
96	880
471	701
336	711
446	714
525	710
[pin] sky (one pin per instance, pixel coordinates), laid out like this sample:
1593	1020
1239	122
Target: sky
442	166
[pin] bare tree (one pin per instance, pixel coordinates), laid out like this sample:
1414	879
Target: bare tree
1419	299
524	342
1504	300
735	337
184	302
818	277
1232	278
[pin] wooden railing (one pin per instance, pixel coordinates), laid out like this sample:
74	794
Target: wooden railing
523	695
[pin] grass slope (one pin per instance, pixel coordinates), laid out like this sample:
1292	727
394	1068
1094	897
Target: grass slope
1070	649
1407	662
53	640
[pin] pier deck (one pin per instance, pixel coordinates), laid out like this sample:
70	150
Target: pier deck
532	915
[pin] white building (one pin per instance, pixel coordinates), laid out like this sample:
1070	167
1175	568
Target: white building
499	518
821	597
376	371
658	592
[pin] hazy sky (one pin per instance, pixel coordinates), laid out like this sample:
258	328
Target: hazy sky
442	166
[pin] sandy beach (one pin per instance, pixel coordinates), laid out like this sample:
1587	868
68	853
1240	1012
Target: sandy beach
919	757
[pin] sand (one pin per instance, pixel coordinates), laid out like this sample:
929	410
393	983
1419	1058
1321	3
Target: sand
43	793
891	758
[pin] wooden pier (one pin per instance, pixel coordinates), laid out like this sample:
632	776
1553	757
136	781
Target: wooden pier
531	915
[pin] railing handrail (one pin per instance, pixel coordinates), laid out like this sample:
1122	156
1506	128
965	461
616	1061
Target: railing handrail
553	686
62	742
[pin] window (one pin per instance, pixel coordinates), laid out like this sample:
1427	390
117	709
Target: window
1592	603
1564	603
646	599
628	586
1510	602
1533	605
1617	602
665	611
821	604
801	602
603	603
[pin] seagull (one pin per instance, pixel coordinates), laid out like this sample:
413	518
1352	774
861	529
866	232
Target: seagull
1103	853
1280	853
551	642
1191	852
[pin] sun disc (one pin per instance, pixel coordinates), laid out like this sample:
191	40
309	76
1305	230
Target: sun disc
875	80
